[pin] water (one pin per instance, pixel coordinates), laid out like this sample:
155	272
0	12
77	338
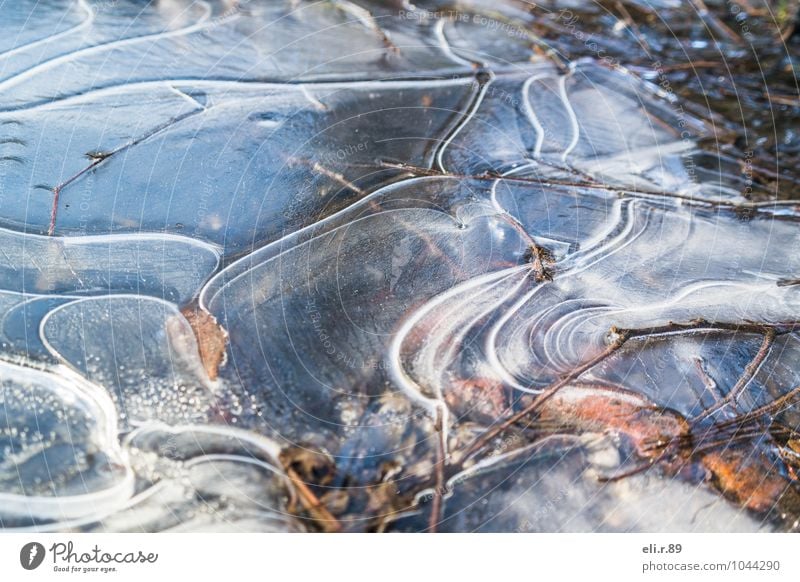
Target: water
289	266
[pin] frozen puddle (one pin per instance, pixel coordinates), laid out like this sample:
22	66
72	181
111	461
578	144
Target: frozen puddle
428	277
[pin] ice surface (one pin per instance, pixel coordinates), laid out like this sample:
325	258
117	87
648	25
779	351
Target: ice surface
286	266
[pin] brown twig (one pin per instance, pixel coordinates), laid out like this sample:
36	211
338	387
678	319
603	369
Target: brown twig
691	65
99	158
428	172
548	393
630	23
336	177
438	492
790	100
311	503
714	22
773	408
621	336
747	375
641	468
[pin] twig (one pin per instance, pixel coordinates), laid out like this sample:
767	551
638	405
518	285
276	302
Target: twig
633	27
313	505
641	468
438	492
690	65
418	171
548	393
335	176
773	408
100	157
714	22
747	375
621	337
791	101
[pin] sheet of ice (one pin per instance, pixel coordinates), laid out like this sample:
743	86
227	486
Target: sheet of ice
142	350
410	221
165	266
60	458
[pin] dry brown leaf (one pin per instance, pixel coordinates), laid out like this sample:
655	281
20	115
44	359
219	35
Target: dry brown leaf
211	339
